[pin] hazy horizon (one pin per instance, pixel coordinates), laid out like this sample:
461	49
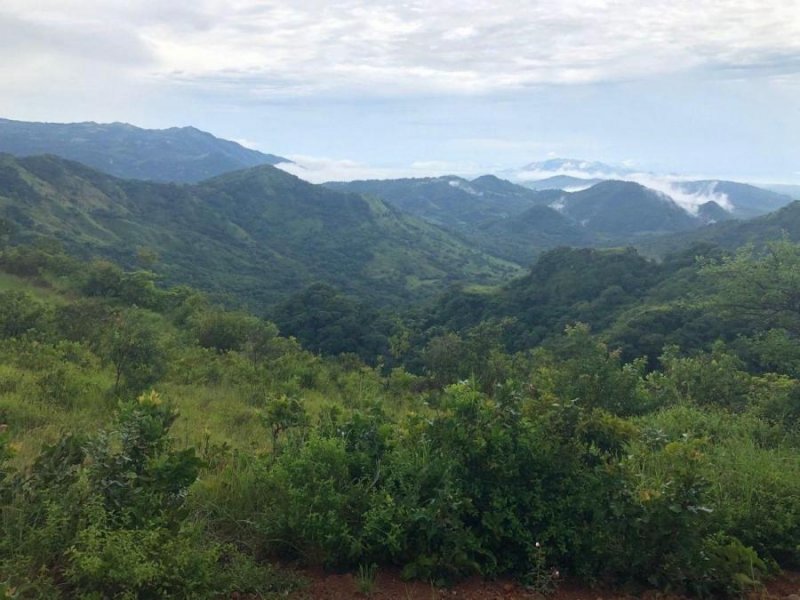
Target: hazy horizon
382	89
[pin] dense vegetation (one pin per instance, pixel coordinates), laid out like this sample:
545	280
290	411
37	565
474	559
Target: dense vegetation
518	223
253	237
179	154
155	445
783	223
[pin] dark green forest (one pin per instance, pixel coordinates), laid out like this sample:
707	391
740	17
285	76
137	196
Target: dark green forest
620	420
251	238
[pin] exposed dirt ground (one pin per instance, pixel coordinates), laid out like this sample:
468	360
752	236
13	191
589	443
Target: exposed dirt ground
390	586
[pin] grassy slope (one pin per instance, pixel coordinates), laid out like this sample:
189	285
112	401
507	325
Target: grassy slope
218	401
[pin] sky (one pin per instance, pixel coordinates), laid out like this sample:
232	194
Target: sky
355	89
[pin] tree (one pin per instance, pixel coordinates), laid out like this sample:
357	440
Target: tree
224	331
760	287
20	313
328	322
260	340
135	345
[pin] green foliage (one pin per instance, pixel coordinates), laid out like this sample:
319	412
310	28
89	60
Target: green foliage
680	473
135	345
108	513
584	371
224	331
541	578
763	287
715	378
730	568
253	238
325	321
313	504
20	313
282	414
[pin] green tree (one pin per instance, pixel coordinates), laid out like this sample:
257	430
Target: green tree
761	287
135	345
225	330
20	313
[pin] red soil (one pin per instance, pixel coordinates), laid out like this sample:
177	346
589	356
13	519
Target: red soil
390	586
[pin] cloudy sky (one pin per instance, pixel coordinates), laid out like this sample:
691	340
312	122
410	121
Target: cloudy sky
376	88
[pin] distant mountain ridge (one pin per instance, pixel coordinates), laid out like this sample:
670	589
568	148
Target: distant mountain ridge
576	168
517	223
449	201
177	154
783	223
620	210
746	200
257	235
739	200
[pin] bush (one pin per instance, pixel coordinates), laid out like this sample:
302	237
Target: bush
104	517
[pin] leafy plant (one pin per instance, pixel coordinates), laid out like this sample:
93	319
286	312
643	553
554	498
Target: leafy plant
365	578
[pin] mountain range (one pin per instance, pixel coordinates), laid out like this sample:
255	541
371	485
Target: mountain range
223	219
738	200
178	154
783	223
257	235
518	223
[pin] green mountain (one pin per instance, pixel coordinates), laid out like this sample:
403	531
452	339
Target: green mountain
564	286
731	234
524	236
452	202
257	235
746	201
516	223
180	154
500	217
712	212
618	211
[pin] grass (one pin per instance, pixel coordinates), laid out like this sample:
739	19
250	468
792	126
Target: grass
9	283
365	578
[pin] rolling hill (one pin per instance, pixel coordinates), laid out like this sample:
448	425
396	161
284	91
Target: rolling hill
179	154
621	210
746	201
784	222
452	202
257	235
515	223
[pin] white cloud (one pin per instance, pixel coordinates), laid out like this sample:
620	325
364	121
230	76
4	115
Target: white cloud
690	202
321	169
384	47
669	185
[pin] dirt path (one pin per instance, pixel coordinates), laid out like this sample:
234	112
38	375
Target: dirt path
389	586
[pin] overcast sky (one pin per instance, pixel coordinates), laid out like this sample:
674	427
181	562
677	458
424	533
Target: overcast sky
376	88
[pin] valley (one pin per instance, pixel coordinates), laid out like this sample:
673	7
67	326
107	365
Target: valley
222	388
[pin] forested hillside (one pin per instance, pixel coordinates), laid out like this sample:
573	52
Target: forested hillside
402	401
254	236
154	444
783	223
518	223
180	154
